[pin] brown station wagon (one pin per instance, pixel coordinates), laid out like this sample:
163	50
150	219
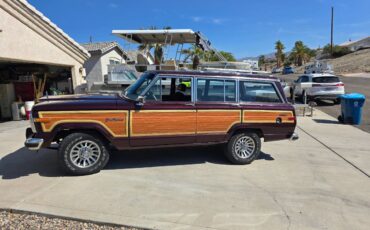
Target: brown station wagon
165	109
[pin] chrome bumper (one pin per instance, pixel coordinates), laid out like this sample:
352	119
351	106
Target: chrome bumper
294	137
34	143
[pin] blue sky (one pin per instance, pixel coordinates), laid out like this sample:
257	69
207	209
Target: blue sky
245	28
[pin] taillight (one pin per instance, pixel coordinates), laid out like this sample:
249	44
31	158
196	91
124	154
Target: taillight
340	84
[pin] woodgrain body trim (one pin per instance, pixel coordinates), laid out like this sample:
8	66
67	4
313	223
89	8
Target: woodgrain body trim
114	121
217	120
267	116
162	122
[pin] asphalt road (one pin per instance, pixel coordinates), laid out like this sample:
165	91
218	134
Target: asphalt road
358	84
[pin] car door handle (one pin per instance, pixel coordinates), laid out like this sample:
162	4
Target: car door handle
189	104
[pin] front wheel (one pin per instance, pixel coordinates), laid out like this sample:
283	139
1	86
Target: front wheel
336	101
243	148
82	154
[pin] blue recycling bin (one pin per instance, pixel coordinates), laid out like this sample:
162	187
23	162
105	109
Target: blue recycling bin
352	108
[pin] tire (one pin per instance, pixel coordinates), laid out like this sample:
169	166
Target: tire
336	101
239	157
82	154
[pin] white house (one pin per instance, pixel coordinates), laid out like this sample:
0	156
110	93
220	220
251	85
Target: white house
102	54
363	43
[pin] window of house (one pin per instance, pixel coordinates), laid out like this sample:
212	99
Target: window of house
113	62
259	92
170	89
216	90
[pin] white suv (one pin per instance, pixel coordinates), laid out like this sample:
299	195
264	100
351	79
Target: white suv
318	86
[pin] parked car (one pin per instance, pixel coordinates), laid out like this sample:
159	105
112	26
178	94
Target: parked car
276	70
288	70
319	86
219	108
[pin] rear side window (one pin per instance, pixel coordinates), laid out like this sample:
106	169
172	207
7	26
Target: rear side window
326	79
216	90
258	92
305	79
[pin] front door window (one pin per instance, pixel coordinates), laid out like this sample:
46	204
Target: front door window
167	89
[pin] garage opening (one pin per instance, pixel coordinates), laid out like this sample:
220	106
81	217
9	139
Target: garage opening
22	83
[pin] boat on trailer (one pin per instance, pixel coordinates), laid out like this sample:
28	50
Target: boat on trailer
167	38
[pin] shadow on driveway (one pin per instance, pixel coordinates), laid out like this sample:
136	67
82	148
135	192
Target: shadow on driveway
45	163
324	121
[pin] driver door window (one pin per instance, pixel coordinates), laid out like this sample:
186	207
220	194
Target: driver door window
170	89
154	93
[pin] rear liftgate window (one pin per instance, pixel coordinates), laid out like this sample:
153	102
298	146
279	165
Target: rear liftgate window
326	79
259	92
216	90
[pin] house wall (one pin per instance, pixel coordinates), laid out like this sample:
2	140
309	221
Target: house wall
365	43
112	54
25	37
93	68
97	66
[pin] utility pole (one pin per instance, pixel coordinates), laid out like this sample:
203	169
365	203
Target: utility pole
332	31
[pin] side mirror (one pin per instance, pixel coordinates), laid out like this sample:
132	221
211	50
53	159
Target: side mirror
140	100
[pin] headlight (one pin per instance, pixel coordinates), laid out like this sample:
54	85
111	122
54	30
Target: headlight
32	123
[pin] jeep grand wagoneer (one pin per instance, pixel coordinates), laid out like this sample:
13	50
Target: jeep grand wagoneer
160	110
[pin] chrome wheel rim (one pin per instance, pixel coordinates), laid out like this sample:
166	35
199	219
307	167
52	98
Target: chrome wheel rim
244	147
85	154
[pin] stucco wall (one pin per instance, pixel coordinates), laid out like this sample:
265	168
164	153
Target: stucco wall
25	38
97	66
93	68
112	54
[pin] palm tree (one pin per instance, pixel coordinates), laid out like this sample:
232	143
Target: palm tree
193	51
279	47
300	53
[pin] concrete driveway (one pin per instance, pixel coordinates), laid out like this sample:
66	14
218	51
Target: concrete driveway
308	184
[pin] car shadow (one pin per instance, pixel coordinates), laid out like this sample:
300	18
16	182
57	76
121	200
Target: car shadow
324	103
23	162
323	121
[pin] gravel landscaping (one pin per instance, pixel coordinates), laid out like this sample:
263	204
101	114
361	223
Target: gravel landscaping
28	221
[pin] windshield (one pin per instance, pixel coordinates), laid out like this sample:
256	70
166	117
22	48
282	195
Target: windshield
134	90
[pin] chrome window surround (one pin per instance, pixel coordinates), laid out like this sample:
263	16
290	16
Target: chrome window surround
216	77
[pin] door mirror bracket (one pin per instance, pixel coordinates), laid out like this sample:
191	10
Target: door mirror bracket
140	101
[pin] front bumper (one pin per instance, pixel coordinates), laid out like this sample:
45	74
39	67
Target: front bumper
34	143
294	137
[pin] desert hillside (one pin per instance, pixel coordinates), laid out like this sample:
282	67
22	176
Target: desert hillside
357	62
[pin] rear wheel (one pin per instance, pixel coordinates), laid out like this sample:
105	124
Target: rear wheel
243	148
82	154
